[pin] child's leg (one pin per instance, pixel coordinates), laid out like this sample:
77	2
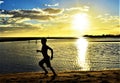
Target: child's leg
41	65
49	65
53	71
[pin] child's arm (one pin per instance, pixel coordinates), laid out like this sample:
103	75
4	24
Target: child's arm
51	52
38	51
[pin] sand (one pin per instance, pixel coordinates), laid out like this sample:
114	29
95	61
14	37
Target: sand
105	76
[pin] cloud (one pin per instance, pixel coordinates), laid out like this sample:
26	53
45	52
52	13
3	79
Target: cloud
5	15
4	18
21	18
54	20
108	19
1	2
52	5
105	24
82	8
74	10
45	14
48	14
53	10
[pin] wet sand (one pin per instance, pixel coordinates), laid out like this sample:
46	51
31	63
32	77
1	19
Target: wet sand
105	76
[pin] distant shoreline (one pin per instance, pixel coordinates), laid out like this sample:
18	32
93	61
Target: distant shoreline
102	36
5	39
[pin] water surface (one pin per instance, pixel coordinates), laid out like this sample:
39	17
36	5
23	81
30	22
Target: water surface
69	54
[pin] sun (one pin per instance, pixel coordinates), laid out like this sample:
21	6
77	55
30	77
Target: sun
80	22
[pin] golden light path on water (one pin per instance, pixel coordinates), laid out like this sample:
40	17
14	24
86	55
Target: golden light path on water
82	45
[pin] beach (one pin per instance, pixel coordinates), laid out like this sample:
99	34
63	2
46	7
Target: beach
105	76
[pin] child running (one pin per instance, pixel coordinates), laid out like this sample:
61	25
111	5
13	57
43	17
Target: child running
46	58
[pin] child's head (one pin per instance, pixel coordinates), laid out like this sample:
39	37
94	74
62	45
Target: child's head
43	40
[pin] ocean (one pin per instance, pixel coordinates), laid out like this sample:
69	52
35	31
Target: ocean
82	54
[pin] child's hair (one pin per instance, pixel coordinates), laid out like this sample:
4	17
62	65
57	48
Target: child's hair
43	39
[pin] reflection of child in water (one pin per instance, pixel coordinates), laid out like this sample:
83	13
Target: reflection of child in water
46	58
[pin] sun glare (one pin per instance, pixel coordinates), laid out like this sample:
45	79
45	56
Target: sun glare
80	22
82	45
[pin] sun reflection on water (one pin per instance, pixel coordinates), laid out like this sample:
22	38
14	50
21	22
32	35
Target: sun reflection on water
82	45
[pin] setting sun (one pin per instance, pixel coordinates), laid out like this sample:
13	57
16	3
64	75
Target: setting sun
80	22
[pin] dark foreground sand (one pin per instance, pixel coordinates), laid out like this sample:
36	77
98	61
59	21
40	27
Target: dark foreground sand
106	76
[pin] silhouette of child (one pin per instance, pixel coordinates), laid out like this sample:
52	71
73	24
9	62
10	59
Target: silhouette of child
46	58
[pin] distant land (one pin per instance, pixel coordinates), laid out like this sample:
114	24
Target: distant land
4	39
102	36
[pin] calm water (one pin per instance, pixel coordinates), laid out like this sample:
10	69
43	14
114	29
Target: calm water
69	54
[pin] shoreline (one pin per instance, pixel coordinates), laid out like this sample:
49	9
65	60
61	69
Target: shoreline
103	76
11	39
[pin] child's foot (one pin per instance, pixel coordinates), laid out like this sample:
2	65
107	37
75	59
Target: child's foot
46	72
55	75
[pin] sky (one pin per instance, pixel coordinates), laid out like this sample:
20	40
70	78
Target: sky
58	18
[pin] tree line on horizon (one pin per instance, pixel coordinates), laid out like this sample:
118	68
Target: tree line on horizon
108	35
